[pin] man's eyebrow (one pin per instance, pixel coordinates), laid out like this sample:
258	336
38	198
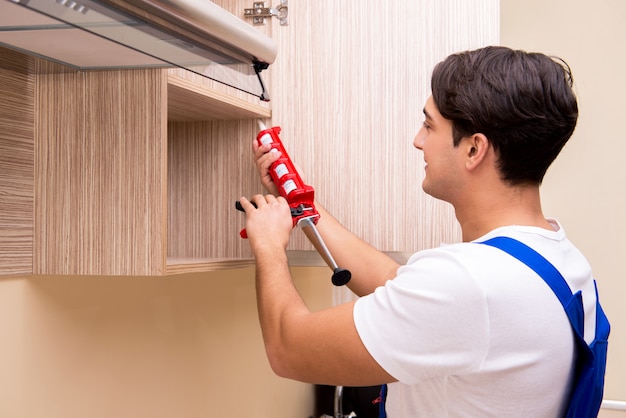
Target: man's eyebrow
427	114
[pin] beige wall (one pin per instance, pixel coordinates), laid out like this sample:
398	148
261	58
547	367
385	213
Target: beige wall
586	187
128	347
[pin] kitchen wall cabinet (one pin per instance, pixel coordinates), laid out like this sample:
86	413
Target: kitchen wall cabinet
135	171
132	191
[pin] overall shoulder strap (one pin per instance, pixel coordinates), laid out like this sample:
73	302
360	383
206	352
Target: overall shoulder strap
548	273
588	386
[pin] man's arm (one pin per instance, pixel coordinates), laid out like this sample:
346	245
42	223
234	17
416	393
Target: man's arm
370	267
321	347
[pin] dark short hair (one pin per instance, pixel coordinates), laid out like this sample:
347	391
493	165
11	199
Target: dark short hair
522	102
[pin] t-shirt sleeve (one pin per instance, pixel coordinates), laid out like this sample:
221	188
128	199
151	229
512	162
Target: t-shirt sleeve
429	321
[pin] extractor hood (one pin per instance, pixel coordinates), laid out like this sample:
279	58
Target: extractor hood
196	35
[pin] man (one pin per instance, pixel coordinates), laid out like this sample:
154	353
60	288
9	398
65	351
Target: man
463	330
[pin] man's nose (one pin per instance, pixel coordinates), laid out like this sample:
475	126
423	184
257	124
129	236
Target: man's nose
418	141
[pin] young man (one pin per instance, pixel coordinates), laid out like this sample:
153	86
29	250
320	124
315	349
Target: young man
463	329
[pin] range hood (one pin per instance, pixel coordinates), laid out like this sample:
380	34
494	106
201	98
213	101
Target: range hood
196	35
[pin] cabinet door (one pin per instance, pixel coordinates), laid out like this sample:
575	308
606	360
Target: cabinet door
100	172
348	88
16	163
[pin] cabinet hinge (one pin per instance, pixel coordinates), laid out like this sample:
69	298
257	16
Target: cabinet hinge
259	13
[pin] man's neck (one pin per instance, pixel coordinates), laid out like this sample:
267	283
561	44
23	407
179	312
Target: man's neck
494	209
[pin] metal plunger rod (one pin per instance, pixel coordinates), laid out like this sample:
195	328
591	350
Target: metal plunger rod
338	402
340	276
323	249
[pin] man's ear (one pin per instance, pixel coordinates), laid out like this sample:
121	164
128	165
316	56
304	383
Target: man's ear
477	148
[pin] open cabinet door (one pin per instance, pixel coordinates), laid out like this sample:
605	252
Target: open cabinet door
348	87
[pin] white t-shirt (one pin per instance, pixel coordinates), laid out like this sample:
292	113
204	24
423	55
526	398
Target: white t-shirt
470	331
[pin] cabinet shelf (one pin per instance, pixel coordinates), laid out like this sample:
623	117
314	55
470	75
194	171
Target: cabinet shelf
187	101
208	133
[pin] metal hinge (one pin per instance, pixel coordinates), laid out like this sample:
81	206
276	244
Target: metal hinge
259	13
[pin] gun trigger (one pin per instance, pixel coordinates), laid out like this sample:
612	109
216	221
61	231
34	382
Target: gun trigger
298	211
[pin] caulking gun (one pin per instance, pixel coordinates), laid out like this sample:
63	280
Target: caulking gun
300	198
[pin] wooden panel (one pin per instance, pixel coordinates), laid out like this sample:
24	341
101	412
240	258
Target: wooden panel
189	101
348	88
209	167
100	170
16	164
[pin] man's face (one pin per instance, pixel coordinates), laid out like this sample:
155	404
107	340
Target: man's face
443	172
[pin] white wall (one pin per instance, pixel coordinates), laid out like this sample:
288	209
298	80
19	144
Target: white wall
586	187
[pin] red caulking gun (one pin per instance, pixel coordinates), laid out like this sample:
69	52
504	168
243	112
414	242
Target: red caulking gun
299	196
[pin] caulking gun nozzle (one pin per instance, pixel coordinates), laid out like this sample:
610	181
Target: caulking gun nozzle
262	126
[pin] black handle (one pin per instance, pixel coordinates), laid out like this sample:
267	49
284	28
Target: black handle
240	208
297	211
340	276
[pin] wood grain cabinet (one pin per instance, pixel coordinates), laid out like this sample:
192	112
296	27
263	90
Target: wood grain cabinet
16	164
136	171
132	172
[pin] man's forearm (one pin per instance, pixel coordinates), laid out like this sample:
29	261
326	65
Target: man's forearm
277	302
370	267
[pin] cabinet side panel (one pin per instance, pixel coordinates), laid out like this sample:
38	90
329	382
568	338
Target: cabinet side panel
100	172
16	164
210	166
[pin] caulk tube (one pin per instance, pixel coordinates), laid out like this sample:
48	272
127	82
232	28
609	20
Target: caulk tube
283	172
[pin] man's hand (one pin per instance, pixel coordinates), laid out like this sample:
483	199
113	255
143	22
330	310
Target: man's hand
264	159
268	225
